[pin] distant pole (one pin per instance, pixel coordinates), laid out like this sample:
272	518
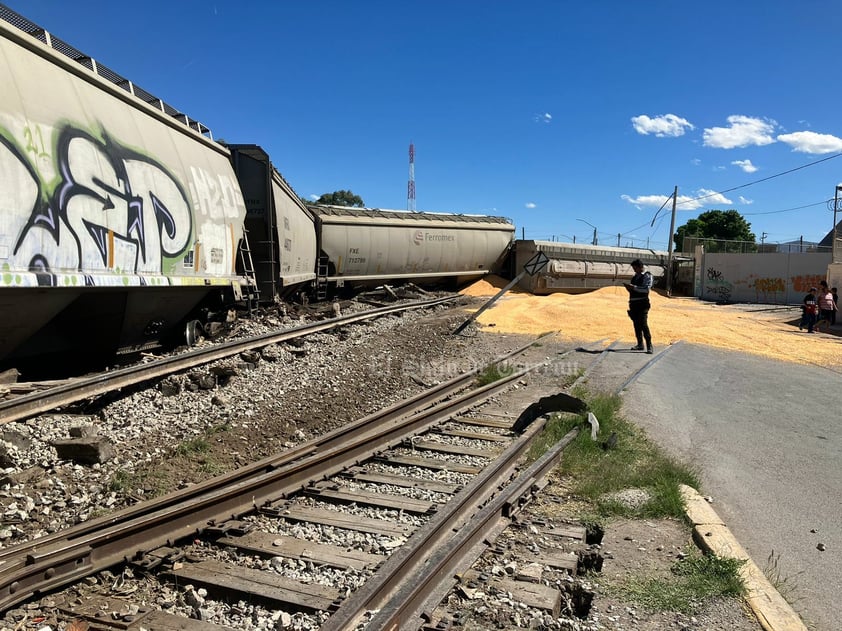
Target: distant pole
410	187
669	243
833	257
522	233
618	239
574	238
592	226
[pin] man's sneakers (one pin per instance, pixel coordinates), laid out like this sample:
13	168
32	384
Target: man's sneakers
636	348
649	351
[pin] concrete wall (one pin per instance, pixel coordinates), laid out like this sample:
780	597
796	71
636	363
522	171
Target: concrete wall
765	278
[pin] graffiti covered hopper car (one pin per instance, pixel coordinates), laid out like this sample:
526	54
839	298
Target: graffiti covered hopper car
106	203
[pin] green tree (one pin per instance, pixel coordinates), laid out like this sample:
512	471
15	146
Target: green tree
341	198
728	225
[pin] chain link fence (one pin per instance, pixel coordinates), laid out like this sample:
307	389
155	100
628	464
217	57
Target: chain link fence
750	247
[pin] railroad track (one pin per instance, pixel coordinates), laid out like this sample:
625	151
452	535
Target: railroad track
425	483
71	391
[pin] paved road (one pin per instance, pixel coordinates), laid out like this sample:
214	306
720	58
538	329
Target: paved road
766	437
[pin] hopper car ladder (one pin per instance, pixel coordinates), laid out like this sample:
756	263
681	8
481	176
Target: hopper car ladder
321	278
252	292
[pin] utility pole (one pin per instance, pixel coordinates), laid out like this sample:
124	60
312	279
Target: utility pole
592	226
669	243
618	239
833	256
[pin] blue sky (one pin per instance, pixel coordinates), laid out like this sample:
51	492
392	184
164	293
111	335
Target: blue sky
562	116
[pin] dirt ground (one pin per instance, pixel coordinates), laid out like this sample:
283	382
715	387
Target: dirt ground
768	330
634	548
352	372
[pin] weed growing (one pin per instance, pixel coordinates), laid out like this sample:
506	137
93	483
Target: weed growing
694	578
493	373
621	458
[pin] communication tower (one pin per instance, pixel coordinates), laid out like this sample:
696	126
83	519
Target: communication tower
410	187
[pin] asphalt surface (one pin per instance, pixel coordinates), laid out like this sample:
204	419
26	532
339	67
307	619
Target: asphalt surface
765	437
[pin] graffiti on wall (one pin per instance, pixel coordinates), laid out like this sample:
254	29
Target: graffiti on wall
805	281
717	286
98	206
768	289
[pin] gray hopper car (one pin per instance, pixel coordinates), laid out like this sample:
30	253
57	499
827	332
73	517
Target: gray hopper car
581	267
365	246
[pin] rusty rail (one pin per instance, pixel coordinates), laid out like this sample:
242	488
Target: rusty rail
24	406
413	595
53	561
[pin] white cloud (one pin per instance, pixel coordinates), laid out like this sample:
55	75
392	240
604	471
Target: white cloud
745	165
661	126
745	201
530	205
711	198
314	197
683	202
545	118
646	200
743	131
811	142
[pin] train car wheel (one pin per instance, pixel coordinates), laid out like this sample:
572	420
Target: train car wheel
192	332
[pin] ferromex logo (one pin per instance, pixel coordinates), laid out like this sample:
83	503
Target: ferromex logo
420	237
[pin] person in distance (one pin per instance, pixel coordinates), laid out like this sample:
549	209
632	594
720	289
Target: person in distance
638	288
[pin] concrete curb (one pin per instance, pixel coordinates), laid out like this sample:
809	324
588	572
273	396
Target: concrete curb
711	534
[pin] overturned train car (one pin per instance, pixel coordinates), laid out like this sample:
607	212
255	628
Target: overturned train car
576	267
120	216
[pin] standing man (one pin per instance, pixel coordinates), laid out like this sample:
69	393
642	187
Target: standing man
639	305
811	310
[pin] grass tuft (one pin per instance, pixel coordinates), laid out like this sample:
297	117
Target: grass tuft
695	578
596	469
193	446
493	373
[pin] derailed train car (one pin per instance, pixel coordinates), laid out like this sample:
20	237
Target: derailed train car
581	267
322	248
120	216
362	245
117	216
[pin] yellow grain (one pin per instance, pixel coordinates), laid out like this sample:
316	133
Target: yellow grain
601	314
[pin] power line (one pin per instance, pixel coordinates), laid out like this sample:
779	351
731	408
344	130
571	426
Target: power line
735	188
765	179
787	210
